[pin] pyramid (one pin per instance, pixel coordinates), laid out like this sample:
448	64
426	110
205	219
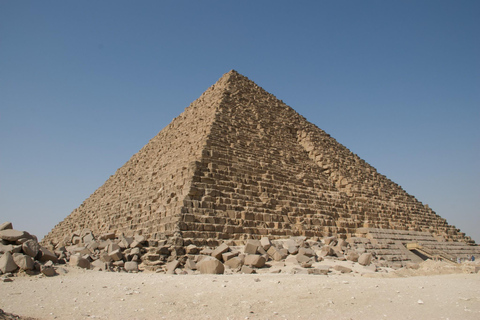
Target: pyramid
238	163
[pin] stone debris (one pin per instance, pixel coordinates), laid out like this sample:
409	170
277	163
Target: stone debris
108	252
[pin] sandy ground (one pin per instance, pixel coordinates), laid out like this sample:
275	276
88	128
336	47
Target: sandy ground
80	294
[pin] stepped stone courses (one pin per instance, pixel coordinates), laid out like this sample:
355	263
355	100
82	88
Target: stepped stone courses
240	164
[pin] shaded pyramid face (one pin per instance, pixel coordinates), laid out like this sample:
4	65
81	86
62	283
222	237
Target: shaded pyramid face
238	163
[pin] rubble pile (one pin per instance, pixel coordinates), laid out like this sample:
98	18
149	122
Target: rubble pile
21	252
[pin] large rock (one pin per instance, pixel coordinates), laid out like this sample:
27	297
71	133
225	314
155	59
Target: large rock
210	266
255	260
352	256
47	255
234	263
24	262
78	261
131	266
11	235
365	259
30	248
7	264
251	246
217	253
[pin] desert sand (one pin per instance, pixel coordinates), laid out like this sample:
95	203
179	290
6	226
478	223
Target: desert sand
81	294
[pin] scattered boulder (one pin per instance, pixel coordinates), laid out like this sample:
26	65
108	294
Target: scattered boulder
210	266
6	225
365	259
255	260
11	235
7	264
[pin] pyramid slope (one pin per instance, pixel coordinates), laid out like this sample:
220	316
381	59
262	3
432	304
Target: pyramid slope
239	163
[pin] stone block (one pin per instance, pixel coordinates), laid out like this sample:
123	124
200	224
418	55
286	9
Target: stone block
251	247
7	264
48	271
24	262
320	270
276	254
131	266
265	243
247	270
171	266
217	253
210	266
47	255
301	258
192	249
79	261
11	235
6	225
104	257
365	259
234	263
342	269
98	265
255	260
116	255
352	256
190	264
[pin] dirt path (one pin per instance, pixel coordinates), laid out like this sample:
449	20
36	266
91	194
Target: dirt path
104	295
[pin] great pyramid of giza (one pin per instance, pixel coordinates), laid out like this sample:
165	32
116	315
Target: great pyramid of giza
238	163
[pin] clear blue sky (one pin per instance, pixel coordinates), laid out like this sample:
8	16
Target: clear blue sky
85	84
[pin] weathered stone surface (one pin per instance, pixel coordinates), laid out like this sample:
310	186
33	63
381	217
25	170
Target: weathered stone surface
352	256
234	263
98	265
7	264
116	255
6	225
131	266
48	271
342	269
251	246
247	270
78	261
365	259
254	260
31	248
47	255
210	266
217	253
190	264
265	243
24	262
11	235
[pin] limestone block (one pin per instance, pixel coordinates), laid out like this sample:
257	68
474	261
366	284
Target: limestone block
307	252
24	262
190	264
104	257
131	266
247	270
255	260
116	255
276	254
251	246
11	235
6	248
342	269
210	266
234	263
265	243
171	266
78	261
6	225
301	258
192	249
365	259
217	253
352	256
99	265
7	264
228	255
47	255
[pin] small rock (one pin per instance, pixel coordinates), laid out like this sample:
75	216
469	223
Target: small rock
131	266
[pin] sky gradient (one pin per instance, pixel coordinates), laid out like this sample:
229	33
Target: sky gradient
85	85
